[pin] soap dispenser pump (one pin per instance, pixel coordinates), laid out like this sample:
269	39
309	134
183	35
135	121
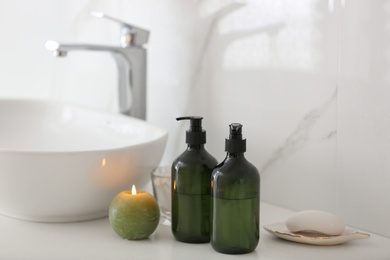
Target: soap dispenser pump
191	173
235	195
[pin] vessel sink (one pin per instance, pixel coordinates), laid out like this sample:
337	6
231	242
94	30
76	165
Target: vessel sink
61	162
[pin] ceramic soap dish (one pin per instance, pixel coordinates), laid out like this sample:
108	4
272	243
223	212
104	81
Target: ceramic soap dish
316	228
280	230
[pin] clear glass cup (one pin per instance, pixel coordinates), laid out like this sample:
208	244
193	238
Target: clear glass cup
161	181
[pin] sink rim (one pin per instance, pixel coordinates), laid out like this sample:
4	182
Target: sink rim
158	132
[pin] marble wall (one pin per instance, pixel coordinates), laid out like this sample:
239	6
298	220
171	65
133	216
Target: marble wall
308	79
363	147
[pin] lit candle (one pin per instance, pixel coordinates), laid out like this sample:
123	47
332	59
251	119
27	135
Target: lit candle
134	215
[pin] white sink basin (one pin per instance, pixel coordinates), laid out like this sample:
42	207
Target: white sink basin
61	163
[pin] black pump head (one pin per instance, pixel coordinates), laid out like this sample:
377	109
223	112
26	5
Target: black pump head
195	134
235	131
235	143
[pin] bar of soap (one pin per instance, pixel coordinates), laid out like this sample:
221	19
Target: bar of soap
315	221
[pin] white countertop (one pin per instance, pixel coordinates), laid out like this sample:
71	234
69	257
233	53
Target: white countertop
96	240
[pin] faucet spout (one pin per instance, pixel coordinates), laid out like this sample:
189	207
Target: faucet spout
131	66
130	58
57	46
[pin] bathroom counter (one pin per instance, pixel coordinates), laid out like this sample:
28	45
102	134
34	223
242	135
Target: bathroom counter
96	240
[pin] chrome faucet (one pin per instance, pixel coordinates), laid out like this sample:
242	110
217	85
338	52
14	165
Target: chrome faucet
130	57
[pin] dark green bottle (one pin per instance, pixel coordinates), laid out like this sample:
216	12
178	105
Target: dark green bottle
235	193
191	173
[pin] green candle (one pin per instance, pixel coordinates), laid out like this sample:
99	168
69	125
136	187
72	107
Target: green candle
134	215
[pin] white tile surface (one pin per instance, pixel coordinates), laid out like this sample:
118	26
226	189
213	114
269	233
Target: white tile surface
96	240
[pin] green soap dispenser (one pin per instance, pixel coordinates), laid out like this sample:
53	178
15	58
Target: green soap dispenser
191	173
235	196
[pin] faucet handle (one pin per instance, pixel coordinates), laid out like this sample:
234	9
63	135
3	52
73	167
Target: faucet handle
130	34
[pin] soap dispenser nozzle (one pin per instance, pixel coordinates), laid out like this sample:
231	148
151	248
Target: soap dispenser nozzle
235	143
235	131
195	134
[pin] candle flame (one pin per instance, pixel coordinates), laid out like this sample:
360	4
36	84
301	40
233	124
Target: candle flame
133	190
104	162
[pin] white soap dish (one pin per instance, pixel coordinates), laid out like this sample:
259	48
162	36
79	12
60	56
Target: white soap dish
280	230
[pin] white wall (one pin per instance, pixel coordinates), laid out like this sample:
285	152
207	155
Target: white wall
308	79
